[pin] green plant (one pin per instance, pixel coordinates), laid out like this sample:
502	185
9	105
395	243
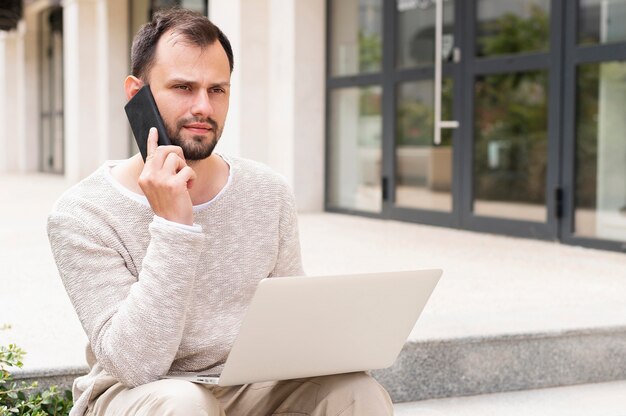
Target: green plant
24	399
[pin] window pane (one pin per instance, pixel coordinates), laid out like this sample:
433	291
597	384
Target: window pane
601	21
423	170
355	156
510	145
600	198
512	26
199	6
356	36
415	41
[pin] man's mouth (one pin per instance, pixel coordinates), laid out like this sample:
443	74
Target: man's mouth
198	128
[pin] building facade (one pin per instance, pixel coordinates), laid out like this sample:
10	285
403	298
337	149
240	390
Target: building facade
489	115
532	95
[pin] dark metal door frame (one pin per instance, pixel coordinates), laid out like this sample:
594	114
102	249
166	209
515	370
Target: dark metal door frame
390	82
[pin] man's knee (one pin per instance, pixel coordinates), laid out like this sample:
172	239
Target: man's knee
357	392
178	397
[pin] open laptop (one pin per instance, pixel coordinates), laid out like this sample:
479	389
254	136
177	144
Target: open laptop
298	327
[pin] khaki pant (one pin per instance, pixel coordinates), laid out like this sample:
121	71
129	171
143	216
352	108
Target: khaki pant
344	394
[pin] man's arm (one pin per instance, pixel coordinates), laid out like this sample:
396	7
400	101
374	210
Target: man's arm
289	261
134	325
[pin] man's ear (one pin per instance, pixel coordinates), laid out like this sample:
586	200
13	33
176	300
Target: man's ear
132	84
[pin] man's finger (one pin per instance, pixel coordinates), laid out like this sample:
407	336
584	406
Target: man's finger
153	142
188	175
173	163
176	149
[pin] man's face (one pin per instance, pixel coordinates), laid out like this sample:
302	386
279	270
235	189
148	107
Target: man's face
191	86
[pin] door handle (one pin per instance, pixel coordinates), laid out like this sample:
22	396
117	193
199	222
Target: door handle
440	124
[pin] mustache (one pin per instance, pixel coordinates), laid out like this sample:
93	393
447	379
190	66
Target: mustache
207	120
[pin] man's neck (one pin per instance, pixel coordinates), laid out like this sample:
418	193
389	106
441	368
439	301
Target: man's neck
212	175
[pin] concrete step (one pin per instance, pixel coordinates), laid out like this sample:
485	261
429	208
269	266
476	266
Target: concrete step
62	377
481	365
474	366
602	399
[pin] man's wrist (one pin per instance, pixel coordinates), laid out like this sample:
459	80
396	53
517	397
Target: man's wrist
196	228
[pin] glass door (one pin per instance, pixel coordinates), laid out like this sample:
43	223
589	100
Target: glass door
383	157
595	97
355	106
423	85
538	89
512	85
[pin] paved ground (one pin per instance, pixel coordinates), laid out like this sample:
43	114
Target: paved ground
492	285
603	399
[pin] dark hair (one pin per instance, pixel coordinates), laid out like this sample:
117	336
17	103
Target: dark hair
194	27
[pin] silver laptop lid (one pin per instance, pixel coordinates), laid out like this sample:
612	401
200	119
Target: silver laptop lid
309	326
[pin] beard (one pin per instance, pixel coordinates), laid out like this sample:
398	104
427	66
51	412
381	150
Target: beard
197	147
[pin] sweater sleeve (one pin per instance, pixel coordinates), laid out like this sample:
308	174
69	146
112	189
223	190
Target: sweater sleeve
134	324
289	260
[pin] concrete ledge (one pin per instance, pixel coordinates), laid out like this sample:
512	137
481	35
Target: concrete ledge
471	366
62	377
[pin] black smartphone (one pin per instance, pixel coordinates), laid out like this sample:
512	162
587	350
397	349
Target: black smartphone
143	113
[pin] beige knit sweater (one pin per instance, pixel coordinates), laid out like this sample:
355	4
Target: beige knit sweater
153	297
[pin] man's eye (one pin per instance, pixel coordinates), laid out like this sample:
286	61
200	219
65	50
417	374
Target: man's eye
217	90
183	87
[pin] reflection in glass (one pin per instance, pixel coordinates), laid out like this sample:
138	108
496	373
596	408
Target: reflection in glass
423	170
601	21
356	36
600	195
510	145
199	6
512	26
51	91
355	154
415	39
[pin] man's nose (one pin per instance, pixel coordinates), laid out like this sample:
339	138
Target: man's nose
201	105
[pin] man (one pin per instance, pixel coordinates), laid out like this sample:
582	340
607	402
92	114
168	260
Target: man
161	259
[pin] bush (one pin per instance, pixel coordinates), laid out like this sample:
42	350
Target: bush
23	398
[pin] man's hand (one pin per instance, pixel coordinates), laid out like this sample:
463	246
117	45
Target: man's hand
166	180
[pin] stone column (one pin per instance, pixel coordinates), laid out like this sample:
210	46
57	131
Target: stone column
113	55
276	112
296	99
29	143
227	14
11	98
82	77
